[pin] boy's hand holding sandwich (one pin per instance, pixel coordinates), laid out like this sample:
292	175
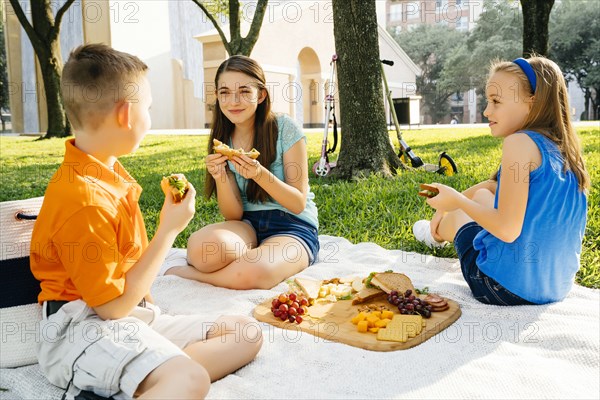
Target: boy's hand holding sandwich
175	215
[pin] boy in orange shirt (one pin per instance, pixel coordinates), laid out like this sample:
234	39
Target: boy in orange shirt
91	254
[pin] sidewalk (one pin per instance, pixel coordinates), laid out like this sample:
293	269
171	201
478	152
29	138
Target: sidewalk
206	132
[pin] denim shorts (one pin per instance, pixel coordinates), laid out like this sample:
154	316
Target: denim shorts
484	288
269	223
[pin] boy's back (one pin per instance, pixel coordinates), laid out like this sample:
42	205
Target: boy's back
90	231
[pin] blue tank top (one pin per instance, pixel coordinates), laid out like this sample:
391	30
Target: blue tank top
540	265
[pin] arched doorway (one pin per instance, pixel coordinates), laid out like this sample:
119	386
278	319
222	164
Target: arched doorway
310	80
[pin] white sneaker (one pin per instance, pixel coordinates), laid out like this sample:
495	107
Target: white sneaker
422	233
175	258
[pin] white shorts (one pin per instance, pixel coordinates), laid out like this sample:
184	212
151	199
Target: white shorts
112	358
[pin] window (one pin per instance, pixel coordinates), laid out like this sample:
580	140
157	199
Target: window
441	7
412	10
395	12
462	24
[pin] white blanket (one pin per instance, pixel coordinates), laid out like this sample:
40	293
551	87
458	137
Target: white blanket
549	351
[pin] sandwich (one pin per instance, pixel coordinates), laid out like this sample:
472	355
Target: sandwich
428	190
388	281
309	287
222	148
178	185
367	294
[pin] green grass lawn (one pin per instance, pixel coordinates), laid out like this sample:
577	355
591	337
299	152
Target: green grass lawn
372	209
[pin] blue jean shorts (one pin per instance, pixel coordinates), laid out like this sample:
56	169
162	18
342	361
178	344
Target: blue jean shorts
269	223
484	288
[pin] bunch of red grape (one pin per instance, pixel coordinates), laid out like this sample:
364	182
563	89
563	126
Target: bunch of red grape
409	304
290	307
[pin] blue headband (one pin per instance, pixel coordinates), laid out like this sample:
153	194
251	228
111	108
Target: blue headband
529	72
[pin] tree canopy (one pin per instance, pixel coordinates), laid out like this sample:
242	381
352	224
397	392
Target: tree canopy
453	61
430	47
236	43
575	38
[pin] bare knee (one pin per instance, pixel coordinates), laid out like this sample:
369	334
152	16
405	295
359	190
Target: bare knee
245	328
254	277
215	246
196	380
205	250
178	378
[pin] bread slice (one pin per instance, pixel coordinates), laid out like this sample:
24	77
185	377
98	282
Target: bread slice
367	294
310	287
388	281
428	190
178	185
222	148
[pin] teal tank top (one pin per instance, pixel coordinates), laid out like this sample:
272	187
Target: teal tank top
288	134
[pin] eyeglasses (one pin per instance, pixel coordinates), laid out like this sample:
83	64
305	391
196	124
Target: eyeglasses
247	94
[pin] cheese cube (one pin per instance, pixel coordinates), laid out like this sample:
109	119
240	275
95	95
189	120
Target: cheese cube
362	326
371	319
382	323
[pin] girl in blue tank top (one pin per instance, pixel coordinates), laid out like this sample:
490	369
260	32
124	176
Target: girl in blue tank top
271	224
518	236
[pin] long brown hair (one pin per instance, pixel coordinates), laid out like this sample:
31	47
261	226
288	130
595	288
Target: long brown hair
265	126
550	111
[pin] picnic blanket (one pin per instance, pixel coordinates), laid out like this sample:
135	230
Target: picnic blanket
549	351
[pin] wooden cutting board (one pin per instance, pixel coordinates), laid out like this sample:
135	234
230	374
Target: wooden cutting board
331	321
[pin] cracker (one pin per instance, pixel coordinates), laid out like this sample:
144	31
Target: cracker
392	335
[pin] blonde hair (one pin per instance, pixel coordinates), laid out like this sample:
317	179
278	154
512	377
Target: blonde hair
95	78
549	114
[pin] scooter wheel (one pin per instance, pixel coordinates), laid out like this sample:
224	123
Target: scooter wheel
447	165
324	171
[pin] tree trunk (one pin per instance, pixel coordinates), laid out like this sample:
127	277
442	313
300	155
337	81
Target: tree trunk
586	105
536	15
366	146
51	66
43	33
595	106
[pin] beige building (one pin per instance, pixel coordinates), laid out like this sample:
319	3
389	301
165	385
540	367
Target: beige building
183	51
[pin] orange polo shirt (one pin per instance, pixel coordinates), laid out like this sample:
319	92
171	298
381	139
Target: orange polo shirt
89	231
